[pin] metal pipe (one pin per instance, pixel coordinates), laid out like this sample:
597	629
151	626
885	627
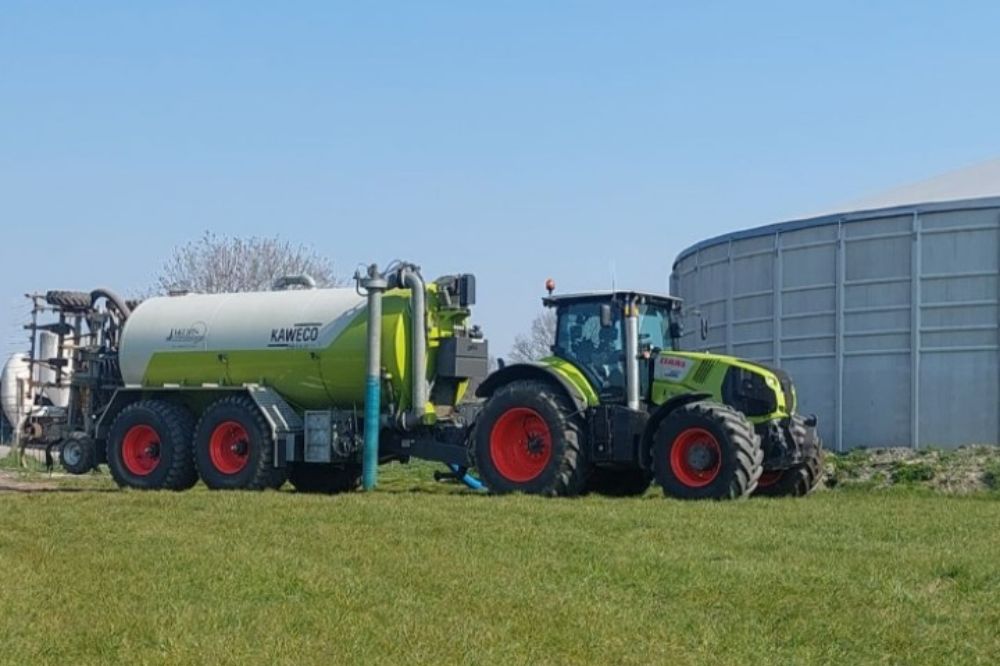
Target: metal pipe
410	277
113	298
375	284
632	354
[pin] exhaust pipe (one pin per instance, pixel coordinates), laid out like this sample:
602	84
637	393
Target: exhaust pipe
632	354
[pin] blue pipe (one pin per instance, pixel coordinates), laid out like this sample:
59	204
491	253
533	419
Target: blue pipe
467	478
369	469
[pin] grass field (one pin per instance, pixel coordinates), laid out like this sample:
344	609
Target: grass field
420	572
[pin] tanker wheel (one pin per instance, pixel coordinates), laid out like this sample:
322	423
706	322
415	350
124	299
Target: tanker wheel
619	482
77	454
233	447
324	478
149	447
528	439
706	450
801	479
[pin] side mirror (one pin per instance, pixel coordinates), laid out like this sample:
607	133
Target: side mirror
606	320
676	330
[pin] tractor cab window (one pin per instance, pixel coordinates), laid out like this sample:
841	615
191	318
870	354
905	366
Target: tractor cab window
598	351
654	327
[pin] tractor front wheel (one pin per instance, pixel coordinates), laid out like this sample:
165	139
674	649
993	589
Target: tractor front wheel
528	439
801	479
706	450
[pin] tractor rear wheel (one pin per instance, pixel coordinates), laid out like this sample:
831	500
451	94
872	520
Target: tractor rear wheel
800	479
619	482
149	446
706	450
528	439
233	447
324	479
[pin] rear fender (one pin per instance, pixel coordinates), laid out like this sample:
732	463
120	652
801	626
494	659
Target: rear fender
532	372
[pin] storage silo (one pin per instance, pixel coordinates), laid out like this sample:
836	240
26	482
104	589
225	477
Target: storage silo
886	314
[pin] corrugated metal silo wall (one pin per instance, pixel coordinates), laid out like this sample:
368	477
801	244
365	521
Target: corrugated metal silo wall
844	302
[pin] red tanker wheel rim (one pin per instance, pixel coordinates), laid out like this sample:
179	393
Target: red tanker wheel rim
520	444
141	450
696	457
769	478
229	447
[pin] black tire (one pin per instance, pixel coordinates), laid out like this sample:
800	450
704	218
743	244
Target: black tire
619	482
558	458
78	455
244	451
69	300
801	479
706	450
324	479
163	431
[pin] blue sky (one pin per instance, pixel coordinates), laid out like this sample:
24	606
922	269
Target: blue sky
516	140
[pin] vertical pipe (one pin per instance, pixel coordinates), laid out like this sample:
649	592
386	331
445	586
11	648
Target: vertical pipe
632	354
730	307
410	277
841	295
916	261
375	284
778	283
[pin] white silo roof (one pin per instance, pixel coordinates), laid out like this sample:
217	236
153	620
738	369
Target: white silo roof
978	181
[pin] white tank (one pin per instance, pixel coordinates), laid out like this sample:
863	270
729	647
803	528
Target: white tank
48	348
270	320
14	389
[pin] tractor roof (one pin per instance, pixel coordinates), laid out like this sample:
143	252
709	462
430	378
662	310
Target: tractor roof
656	299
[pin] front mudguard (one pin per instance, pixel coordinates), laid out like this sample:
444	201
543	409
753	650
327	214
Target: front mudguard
788	442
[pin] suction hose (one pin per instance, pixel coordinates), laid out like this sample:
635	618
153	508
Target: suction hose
467	477
112	298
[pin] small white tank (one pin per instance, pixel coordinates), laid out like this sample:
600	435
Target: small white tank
14	389
48	348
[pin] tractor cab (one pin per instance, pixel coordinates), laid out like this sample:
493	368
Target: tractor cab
604	334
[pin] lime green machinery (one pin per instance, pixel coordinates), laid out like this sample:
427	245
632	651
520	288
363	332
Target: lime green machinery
247	390
618	405
320	386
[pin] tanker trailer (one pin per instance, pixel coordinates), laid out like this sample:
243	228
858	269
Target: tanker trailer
247	390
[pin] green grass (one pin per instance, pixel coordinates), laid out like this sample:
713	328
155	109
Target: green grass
421	573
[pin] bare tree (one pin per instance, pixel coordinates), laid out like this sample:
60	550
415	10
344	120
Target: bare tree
216	264
538	342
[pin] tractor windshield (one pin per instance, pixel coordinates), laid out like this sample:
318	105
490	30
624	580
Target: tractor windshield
654	327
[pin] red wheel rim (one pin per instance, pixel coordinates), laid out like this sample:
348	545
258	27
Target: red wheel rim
769	478
229	447
696	457
520	444
141	450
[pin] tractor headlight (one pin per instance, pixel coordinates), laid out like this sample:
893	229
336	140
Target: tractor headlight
749	392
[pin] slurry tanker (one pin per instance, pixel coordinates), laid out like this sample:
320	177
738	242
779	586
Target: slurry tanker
318	387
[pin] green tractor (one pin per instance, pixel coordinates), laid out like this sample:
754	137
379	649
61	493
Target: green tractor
619	405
